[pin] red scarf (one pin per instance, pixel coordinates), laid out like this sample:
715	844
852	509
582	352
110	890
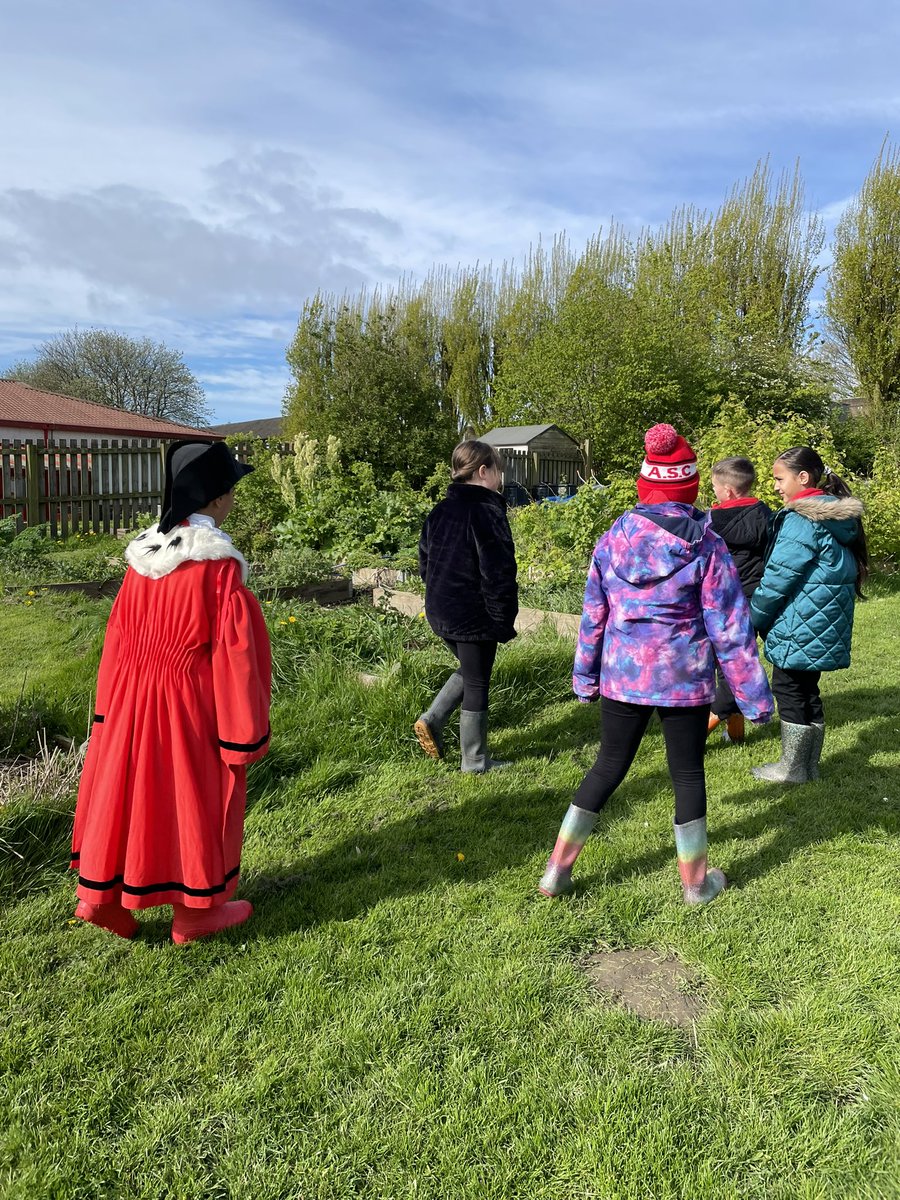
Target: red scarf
738	502
806	492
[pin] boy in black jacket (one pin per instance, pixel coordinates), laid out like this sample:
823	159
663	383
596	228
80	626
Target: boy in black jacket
744	524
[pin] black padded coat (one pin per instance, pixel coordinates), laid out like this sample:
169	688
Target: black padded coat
745	529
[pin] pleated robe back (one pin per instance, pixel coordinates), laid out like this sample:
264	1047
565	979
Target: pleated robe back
182	707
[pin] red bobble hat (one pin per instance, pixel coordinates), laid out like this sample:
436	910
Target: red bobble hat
669	470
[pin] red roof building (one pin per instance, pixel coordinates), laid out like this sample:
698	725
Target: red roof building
32	415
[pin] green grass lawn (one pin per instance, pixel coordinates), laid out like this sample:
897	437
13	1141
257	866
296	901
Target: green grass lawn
405	1016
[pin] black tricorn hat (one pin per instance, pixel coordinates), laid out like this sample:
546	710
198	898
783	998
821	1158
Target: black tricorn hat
197	473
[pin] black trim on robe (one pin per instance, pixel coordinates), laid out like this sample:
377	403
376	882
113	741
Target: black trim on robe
98	720
105	885
247	747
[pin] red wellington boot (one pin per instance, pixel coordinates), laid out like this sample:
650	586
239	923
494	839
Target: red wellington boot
113	917
188	924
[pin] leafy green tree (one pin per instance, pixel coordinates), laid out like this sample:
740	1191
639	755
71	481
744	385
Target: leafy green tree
366	373
465	347
765	247
527	301
736	430
135	374
862	301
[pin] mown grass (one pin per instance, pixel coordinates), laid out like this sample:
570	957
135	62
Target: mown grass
400	1021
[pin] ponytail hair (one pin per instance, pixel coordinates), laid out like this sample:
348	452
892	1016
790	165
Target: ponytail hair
468	459
804	458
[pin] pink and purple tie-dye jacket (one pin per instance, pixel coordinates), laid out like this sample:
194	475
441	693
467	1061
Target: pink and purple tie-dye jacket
662	602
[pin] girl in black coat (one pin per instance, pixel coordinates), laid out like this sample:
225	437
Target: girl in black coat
468	563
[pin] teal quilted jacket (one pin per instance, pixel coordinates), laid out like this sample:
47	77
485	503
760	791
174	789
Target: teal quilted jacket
803	607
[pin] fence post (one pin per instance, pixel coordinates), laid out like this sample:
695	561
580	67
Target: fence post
32	485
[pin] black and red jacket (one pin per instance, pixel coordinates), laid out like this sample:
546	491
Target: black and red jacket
745	526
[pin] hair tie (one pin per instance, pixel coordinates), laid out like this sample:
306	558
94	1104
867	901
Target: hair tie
827	471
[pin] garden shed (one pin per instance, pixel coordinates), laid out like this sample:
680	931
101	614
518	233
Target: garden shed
541	459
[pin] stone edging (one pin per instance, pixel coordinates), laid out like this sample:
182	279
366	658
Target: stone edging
529	620
328	591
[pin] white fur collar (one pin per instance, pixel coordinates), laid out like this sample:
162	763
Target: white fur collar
154	554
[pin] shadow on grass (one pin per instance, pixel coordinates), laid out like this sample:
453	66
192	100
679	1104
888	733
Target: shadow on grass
852	797
500	827
503	824
497	824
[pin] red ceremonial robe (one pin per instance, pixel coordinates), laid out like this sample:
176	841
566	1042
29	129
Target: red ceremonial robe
182	706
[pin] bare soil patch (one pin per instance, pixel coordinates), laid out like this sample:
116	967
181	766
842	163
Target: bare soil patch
649	983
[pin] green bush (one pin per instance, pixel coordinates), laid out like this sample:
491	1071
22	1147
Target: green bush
293	565
346	513
258	505
881	496
735	432
22	554
554	541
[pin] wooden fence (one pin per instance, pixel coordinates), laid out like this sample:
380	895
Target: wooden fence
81	486
107	485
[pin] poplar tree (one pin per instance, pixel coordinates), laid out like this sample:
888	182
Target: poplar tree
862	300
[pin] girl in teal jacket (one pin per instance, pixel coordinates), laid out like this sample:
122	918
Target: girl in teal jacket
803	607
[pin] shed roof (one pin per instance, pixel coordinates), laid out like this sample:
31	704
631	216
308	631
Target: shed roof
266	427
519	435
29	408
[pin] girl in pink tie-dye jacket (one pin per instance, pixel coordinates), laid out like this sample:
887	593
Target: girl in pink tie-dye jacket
663	601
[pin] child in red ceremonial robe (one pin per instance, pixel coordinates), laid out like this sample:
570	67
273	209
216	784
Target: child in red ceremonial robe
182	708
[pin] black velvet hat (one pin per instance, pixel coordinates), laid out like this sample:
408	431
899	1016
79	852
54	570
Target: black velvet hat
197	473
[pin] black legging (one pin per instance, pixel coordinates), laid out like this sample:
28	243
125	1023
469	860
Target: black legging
476	661
724	704
624	725
797	695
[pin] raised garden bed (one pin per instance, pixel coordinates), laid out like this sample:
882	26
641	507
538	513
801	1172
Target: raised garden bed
328	591
528	621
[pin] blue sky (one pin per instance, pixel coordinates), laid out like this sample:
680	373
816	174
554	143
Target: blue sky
192	172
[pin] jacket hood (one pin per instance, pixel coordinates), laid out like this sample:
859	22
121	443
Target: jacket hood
654	541
740	525
839	515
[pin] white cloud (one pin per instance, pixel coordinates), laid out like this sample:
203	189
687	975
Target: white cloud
193	172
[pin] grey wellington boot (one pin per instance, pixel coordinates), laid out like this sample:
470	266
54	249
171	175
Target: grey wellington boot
429	728
793	766
815	750
473	728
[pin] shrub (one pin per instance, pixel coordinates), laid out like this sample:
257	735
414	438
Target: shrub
346	513
761	439
259	505
881	496
554	541
21	554
293	565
